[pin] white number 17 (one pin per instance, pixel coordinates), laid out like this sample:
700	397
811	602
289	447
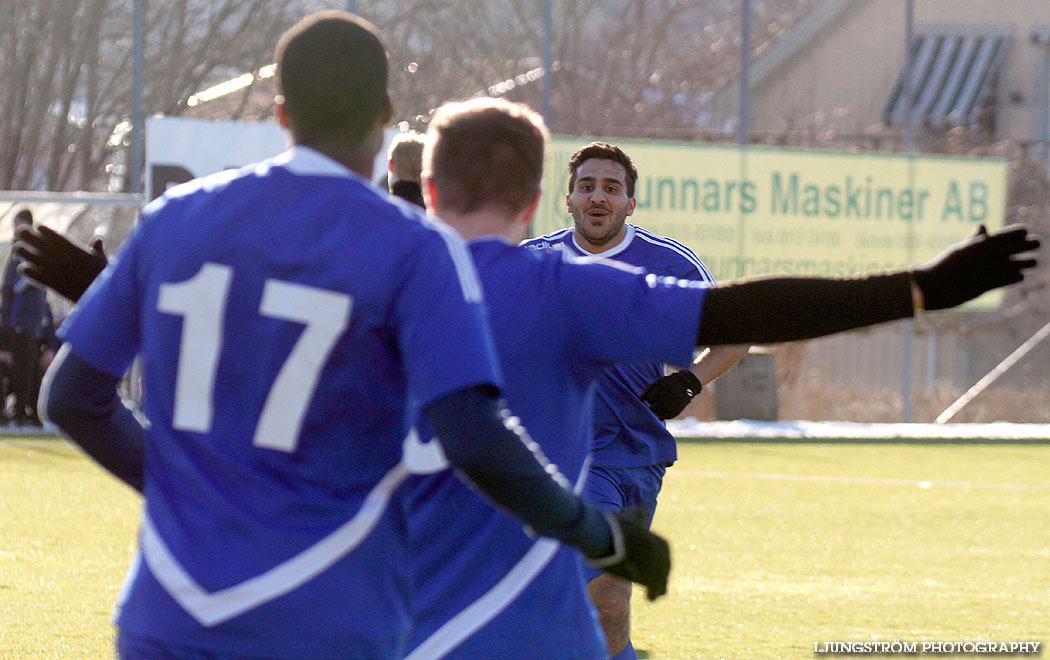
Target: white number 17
201	302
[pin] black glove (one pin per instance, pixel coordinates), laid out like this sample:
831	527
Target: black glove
669	395
618	543
980	263
638	555
54	261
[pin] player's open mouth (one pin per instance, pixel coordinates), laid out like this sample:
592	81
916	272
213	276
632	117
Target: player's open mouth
597	213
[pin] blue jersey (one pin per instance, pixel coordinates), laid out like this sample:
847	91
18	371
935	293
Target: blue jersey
485	588
23	304
626	432
286	314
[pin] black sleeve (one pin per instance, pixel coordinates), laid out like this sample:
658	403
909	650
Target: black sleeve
778	309
84	403
495	453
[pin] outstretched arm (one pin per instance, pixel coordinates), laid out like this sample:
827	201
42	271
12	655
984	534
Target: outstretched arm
490	447
56	262
779	309
84	403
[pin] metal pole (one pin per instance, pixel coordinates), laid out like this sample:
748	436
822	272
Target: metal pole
909	96
745	67
548	59
931	360
989	378
137	114
909	91
744	110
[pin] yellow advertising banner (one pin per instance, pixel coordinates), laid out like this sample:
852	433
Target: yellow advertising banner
759	211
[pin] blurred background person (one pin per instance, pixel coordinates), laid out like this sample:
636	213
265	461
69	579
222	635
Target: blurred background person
23	315
404	162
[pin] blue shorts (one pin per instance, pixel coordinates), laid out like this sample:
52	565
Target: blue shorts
618	488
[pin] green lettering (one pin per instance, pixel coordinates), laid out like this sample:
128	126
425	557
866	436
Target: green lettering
978	201
712	196
952	202
852	198
748	201
921	204
884	195
688	184
905	204
832	201
811	200
646	201
660	185
785	201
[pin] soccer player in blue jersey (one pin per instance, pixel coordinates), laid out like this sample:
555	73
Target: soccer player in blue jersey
632	446
287	314
487	590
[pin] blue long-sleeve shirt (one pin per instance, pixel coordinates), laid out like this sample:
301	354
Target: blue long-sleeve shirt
23	305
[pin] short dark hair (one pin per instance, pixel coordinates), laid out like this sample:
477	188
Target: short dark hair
608	152
25	215
485	152
332	73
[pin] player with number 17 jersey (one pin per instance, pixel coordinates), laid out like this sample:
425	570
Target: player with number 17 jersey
262	482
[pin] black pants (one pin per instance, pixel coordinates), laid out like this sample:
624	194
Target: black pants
25	373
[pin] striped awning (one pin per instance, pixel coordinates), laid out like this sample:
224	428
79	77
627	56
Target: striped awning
951	76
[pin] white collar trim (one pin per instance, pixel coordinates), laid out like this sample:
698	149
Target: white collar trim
305	161
611	252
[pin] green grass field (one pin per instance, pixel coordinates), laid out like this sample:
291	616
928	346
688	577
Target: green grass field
776	547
